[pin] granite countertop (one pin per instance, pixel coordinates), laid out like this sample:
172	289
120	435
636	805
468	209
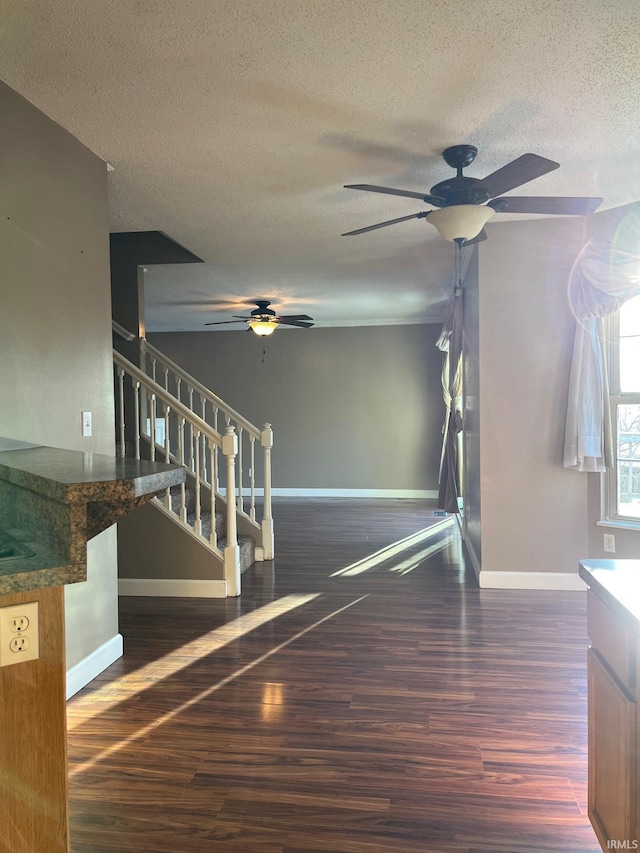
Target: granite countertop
52	501
617	583
70	475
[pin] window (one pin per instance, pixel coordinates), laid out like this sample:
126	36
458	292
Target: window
624	479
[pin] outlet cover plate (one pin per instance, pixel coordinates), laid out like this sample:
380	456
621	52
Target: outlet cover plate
19	631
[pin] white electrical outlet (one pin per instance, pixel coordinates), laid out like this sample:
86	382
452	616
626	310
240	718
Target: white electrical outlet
609	543
86	424
19	636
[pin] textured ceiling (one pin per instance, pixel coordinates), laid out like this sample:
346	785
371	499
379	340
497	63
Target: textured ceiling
233	125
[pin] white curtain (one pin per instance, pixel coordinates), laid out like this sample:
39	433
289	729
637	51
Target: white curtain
603	278
450	343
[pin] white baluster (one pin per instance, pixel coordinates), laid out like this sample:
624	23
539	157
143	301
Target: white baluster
179	388
240	500
183	490
215	479
191	449
121	406
204	443
167	453
196	443
213	537
213	449
153	369
136	407
153	427
266	440
166	378
231	551
252	478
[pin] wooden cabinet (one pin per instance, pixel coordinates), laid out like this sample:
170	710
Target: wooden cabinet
614	728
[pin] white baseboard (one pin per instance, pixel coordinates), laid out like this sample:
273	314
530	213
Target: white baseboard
355	493
531	580
342	493
173	588
82	673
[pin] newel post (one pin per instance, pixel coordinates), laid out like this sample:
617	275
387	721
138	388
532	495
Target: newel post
266	440
231	551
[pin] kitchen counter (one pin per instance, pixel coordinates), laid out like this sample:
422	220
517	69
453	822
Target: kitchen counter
617	583
613	623
52	501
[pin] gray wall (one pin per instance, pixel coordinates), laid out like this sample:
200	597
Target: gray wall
55	338
471	491
534	512
351	408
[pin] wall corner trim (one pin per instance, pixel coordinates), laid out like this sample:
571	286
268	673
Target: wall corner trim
173	587
471	552
82	673
532	580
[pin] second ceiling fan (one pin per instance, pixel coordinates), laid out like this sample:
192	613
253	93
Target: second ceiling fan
464	204
264	321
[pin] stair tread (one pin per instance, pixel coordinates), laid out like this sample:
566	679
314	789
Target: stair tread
247	544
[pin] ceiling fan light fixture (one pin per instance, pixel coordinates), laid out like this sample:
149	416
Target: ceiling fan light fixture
461	221
263	327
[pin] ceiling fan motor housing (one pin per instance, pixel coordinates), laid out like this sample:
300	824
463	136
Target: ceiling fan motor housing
263	310
460	190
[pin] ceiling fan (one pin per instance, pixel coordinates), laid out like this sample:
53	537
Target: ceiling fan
263	321
465	204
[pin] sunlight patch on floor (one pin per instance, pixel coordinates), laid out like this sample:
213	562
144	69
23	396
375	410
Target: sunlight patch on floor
170	715
147	676
412	562
394	550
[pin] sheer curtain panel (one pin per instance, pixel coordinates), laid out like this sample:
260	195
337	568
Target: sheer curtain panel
603	278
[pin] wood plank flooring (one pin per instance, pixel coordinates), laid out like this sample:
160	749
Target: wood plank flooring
344	704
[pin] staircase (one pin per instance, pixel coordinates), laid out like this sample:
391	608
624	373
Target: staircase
166	415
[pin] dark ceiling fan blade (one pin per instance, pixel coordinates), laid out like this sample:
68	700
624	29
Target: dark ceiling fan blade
482	236
284	317
223	322
430	199
514	174
420	215
291	322
568	206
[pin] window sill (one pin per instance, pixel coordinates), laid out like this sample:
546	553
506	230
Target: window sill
620	524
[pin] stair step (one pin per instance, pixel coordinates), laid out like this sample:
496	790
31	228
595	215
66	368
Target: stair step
189	499
246	544
247	547
190	504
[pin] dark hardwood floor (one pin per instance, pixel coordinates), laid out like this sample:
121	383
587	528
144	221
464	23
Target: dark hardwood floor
346	703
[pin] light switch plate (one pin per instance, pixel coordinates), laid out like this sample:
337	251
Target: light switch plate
86	424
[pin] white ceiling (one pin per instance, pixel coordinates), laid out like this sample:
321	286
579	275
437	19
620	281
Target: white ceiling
233	125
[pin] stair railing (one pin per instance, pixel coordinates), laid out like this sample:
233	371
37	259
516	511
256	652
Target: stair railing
254	444
151	420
